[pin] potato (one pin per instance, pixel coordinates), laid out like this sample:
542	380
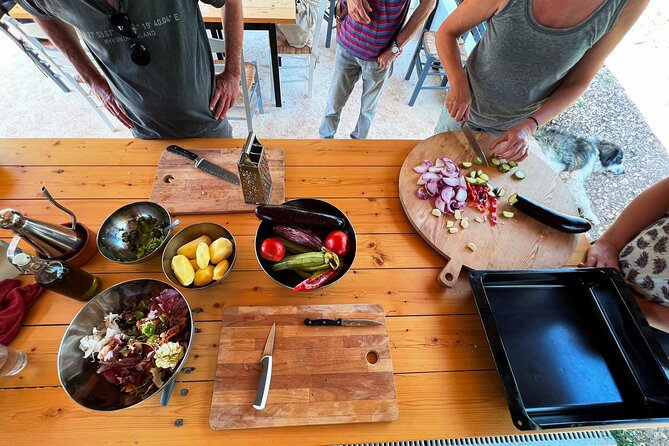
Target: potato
202	255
183	270
190	248
194	263
220	249
221	268
204	276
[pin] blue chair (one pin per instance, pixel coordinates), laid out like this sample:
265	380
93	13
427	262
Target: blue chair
426	62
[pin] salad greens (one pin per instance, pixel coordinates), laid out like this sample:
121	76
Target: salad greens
140	348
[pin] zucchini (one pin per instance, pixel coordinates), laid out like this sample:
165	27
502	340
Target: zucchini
471	180
293	247
478	160
519	174
466	164
293	216
513	163
548	216
495	161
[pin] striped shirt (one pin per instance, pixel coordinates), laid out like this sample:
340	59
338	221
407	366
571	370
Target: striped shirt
367	42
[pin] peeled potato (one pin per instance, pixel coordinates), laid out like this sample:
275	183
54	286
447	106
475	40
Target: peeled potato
204	276
220	249
189	249
202	255
194	263
183	270
221	268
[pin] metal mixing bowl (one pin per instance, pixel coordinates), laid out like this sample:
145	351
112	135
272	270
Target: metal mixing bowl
78	375
110	236
190	233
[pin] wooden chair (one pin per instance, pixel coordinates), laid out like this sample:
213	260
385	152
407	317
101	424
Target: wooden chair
307	55
251	99
36	44
426	62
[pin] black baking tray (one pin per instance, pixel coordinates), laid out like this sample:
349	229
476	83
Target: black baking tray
572	348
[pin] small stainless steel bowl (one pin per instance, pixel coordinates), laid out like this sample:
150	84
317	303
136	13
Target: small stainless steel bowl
289	278
110	236
78	375
190	233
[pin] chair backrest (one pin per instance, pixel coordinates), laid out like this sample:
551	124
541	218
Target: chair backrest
322	6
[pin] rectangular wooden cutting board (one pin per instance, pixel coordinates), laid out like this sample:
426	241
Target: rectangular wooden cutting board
183	189
321	375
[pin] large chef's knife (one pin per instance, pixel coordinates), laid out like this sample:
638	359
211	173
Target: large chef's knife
341	322
204	165
266	374
473	143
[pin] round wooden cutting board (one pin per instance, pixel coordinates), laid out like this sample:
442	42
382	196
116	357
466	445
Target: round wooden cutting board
515	243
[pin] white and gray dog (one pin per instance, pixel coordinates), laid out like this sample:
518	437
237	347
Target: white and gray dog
575	158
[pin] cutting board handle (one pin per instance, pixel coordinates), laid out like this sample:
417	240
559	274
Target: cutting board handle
450	273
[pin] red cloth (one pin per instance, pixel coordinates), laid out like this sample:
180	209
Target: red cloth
14	300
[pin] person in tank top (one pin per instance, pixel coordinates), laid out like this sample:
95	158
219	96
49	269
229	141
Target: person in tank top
535	59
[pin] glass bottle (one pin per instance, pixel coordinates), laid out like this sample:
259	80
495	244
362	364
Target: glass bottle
59	276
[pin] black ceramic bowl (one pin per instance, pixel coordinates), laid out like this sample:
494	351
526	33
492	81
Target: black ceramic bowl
289	278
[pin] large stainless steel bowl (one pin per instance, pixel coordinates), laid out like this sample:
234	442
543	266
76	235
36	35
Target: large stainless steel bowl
78	375
110	236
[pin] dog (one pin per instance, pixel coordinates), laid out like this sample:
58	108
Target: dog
575	158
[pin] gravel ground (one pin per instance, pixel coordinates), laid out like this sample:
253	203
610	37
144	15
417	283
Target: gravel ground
607	112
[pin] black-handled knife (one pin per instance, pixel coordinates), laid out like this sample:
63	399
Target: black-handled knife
341	322
204	165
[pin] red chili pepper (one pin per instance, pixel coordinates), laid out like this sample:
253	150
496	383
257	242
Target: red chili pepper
318	280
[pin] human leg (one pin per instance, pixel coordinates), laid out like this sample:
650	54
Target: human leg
346	74
373	83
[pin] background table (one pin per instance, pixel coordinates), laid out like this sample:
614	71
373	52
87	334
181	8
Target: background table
259	15
446	381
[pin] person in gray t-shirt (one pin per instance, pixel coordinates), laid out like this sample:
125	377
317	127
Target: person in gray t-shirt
158	71
536	58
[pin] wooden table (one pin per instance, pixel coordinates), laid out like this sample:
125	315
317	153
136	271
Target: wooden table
259	15
447	385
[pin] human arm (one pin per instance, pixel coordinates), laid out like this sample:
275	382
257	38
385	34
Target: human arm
572	86
66	40
466	16
358	10
645	209
227	87
409	29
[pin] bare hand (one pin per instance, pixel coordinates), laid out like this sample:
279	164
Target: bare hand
226	92
386	58
358	10
602	255
517	147
458	102
102	90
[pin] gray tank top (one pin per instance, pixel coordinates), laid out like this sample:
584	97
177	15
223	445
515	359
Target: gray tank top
518	63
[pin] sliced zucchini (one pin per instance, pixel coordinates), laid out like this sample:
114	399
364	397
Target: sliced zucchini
513	163
470	180
508	214
495	161
466	164
478	160
519	174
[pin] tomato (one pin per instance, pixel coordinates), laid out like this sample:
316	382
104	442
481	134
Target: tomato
272	249
337	242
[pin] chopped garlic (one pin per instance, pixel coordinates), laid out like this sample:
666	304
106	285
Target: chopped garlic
452	230
449	223
464	223
471	246
479	219
436	212
458	214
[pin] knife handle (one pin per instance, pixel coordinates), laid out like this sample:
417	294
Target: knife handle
183	152
324	322
263	385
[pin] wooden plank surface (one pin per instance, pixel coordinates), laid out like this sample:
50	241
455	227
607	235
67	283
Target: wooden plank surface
514	243
319	375
446	385
183	189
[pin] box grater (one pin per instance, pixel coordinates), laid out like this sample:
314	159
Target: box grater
254	173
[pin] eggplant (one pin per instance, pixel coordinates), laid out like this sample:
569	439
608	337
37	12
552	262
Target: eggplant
548	216
293	216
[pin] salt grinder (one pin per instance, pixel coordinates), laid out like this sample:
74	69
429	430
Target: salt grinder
254	172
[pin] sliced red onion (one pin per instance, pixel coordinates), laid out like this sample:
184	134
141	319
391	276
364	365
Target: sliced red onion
449	208
447	194
461	195
440	204
432	187
421	181
439	162
450	181
420	169
428	176
421	193
435	169
463	182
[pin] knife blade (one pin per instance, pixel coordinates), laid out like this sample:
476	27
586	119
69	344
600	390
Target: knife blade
266	374
341	322
204	165
473	143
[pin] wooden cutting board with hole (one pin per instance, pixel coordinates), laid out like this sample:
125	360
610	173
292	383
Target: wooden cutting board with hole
320	375
517	243
184	189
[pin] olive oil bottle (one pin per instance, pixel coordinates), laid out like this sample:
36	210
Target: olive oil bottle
59	276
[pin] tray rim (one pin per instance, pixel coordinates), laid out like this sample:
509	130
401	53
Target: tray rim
520	417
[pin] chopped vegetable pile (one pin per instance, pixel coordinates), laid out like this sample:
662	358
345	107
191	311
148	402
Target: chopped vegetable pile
145	234
443	181
140	348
